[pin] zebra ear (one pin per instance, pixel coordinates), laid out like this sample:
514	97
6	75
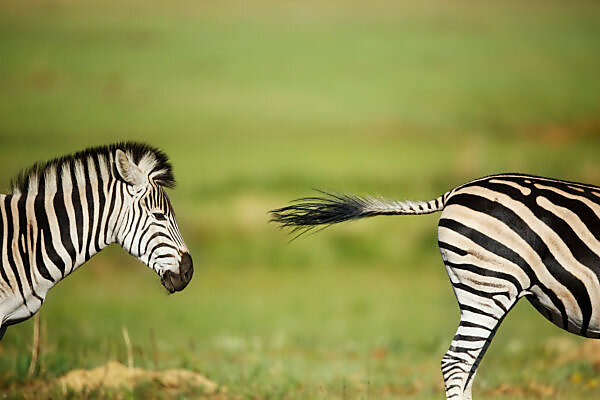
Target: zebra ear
130	172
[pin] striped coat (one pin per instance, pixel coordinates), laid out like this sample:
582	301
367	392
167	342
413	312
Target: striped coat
501	238
62	212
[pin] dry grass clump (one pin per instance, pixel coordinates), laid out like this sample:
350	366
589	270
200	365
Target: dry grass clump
115	375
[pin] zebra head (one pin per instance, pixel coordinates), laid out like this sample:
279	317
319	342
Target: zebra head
147	228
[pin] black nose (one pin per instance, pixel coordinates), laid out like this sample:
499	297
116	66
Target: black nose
174	282
186	268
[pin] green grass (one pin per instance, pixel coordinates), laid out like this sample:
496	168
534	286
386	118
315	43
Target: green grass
257	103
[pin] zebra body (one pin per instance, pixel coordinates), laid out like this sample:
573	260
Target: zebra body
501	238
63	212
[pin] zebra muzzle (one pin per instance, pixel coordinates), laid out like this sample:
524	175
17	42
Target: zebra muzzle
174	282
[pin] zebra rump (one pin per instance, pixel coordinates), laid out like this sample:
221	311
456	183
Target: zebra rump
502	238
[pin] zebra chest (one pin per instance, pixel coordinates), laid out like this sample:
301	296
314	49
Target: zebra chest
14	309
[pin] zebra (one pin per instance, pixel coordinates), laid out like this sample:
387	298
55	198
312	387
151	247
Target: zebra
60	213
501	237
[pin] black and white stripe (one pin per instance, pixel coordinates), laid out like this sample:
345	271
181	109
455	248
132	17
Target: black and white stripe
62	212
501	237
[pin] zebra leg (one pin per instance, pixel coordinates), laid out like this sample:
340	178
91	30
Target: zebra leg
481	313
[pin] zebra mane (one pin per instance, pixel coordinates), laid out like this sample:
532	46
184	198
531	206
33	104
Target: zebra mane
155	163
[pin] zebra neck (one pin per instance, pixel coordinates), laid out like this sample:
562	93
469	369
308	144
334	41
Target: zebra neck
80	223
46	236
49	231
56	232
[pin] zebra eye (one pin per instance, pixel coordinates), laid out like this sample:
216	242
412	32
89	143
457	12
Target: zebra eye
159	216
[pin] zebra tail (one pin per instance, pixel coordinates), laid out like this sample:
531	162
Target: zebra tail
308	212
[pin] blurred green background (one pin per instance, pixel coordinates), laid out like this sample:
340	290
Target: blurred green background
257	103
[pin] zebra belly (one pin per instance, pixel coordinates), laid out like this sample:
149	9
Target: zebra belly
552	314
573	324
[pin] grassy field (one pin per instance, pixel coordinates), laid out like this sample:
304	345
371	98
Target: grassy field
257	103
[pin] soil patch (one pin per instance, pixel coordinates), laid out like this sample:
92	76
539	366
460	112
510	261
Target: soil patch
115	375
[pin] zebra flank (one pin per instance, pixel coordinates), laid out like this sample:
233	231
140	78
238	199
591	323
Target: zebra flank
501	238
62	212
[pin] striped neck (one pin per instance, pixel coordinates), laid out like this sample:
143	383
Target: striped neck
45	237
58	230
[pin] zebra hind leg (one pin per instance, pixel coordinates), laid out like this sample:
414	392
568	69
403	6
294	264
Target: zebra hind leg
480	316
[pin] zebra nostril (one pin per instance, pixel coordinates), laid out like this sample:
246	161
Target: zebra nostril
186	267
176	281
